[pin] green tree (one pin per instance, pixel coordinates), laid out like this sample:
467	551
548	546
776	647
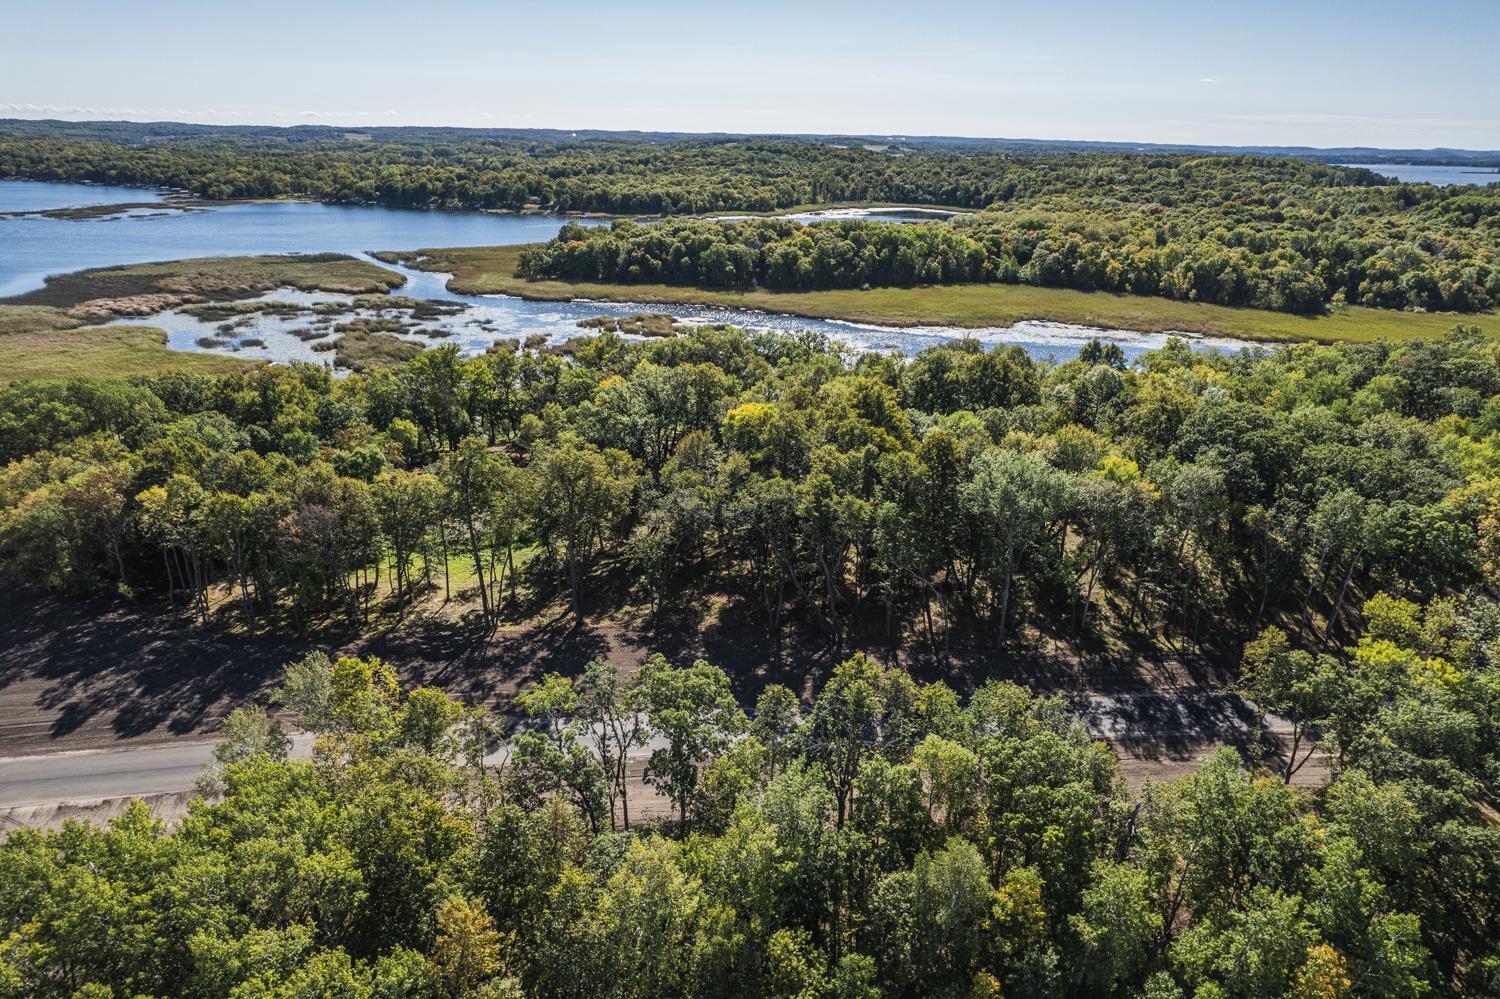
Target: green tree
582	490
406	504
1302	687
1014	498
693	710
616	726
472	478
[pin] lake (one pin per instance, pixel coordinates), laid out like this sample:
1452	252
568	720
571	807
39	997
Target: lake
1441	176
36	195
32	247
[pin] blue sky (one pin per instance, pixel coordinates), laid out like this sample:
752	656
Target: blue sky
1314	72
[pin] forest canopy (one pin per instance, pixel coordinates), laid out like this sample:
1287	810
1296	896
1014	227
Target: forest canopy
1287	261
629	177
885	839
963	495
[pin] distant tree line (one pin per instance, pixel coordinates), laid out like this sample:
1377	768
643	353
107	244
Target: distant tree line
1270	262
681	177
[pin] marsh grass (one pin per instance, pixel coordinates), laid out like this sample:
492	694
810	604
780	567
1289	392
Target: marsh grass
213	279
215	311
43	332
492	270
99	352
363	348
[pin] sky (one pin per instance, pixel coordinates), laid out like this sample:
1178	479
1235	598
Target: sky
1388	73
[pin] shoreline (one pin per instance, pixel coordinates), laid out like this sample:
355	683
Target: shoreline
178	198
492	270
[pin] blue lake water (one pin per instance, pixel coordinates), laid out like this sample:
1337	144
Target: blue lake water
32	247
1441	176
34	195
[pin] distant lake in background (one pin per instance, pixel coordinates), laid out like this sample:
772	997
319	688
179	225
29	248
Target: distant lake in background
39	195
34	246
1441	176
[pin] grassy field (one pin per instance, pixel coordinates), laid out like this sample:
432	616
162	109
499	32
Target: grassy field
492	270
46	333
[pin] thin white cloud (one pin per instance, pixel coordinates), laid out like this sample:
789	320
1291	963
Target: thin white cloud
22	108
25	108
1208	79
388	113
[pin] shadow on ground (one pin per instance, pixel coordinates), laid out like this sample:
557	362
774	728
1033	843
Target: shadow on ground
79	674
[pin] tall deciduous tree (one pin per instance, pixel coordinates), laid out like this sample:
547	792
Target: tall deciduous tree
1013	498
582	491
693	710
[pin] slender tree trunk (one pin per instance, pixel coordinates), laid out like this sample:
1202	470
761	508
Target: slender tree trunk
1004	607
496	584
622	768
114	547
447	576
399	569
245	601
171	589
1338	603
831	589
1313	582
484	593
573	582
927	619
1286	777
1088	592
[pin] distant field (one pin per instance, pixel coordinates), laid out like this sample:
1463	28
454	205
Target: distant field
492	270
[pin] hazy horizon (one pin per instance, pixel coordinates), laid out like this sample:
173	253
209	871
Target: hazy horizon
871	136
1336	74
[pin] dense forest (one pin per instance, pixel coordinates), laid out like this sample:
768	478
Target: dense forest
1275	233
961	495
885	840
1284	256
623	176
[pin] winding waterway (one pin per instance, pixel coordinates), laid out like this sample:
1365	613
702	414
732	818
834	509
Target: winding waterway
33	246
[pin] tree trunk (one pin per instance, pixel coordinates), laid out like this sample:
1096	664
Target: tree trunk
573	581
171	590
484	593
1004	607
1338	604
1314	581
447	575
